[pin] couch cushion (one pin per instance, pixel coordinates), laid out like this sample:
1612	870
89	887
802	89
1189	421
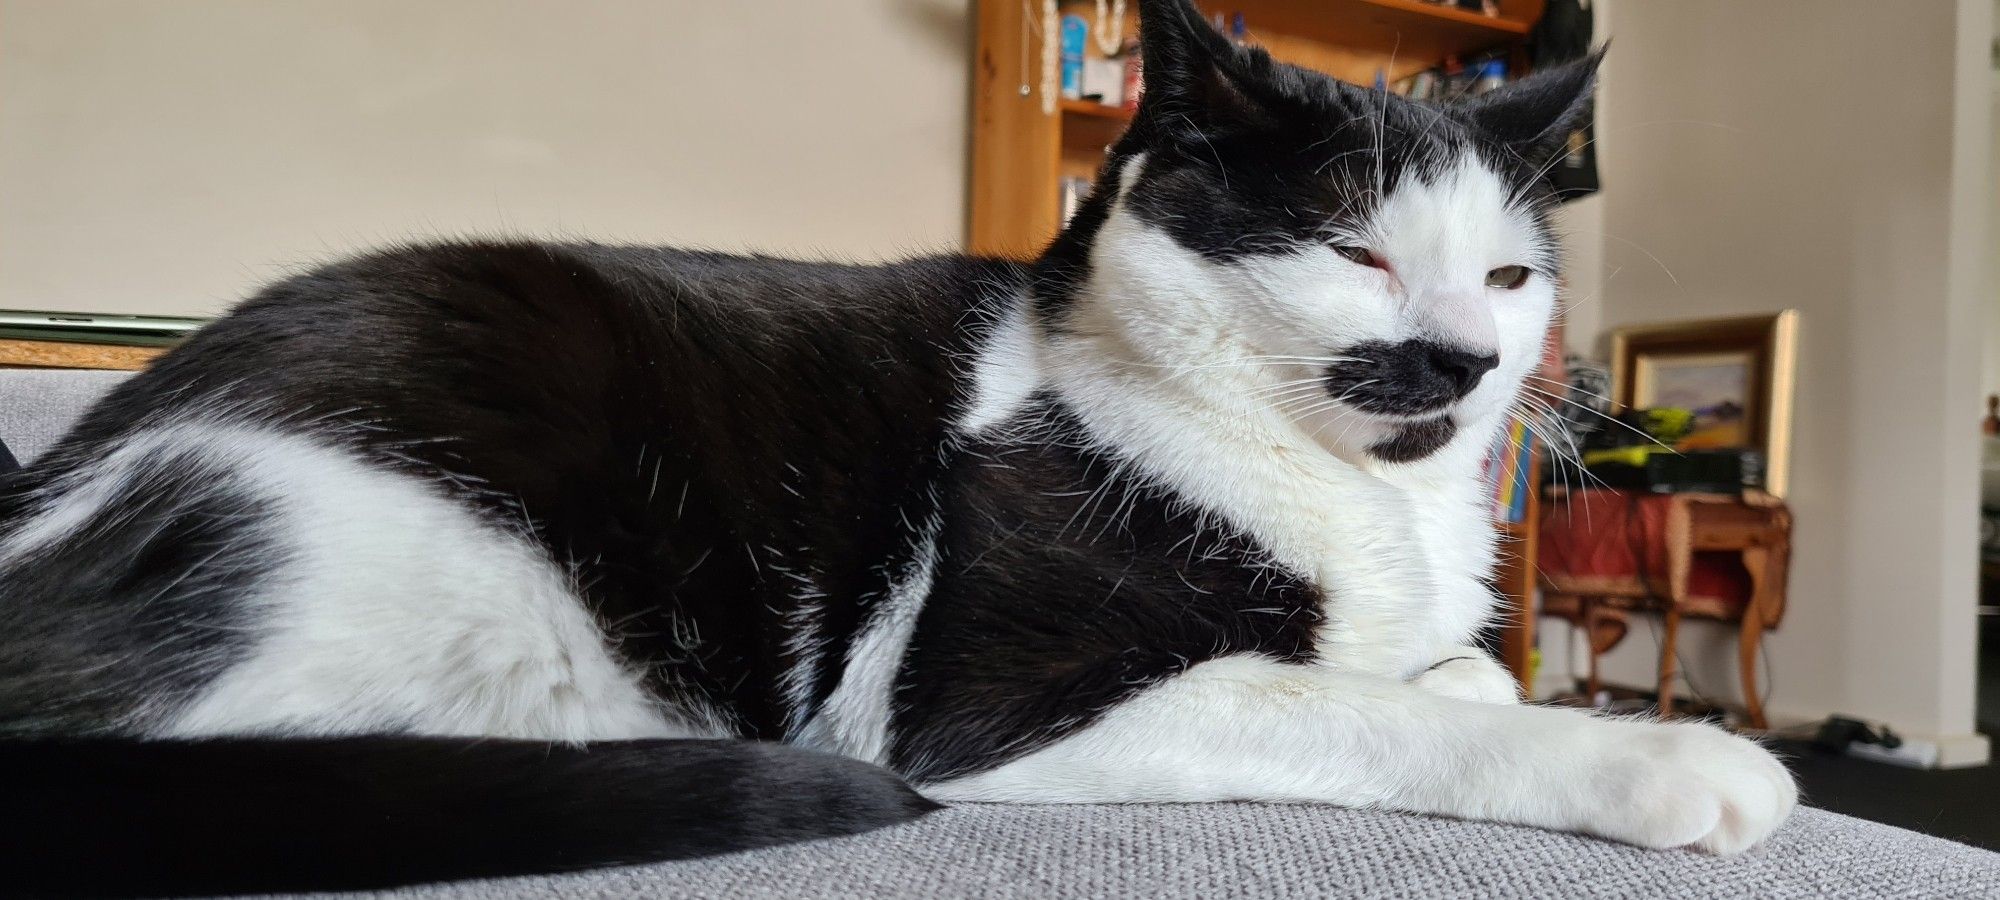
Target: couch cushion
1257	850
37	406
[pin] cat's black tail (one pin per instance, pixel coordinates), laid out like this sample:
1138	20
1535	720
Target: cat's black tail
98	817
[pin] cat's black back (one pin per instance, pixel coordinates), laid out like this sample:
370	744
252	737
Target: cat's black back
682	428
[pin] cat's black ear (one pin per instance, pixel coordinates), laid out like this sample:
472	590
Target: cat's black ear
1536	115
1196	80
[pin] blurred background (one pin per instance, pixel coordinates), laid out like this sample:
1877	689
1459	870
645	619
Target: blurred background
1780	264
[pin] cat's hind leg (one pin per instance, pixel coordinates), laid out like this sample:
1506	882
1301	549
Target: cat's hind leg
219	578
1251	728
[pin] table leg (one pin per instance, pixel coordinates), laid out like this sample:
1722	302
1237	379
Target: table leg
1669	659
1755	558
1588	610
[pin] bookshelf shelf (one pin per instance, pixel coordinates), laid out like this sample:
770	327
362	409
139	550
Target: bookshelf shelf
1095	110
1448	20
1415	33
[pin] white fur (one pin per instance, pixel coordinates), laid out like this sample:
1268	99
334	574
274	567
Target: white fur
1248	728
388	607
806	638
1173	362
855	719
1202	375
82	495
1005	372
1469	674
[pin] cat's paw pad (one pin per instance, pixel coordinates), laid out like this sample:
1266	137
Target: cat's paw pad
1474	676
1691	785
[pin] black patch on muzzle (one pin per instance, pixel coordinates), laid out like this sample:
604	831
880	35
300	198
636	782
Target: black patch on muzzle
1410	378
1416	441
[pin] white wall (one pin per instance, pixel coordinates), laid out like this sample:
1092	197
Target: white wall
1581	224
166	157
1990	382
1829	156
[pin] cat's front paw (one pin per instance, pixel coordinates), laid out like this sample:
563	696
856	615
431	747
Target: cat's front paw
1688	785
1469	675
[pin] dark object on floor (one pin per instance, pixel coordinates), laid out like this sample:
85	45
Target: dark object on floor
1837	732
1958	804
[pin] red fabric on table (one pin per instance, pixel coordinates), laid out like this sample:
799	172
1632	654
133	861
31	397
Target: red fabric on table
1600	540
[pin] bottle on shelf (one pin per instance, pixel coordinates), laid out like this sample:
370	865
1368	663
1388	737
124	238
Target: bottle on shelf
1492	74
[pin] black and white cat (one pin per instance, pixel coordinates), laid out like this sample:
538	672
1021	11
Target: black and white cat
453	560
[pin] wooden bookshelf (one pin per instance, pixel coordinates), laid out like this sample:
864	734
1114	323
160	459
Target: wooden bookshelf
1021	153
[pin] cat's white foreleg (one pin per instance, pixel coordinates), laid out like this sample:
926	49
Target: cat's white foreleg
1252	728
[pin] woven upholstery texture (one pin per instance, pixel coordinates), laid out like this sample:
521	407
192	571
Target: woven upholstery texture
38	405
1263	850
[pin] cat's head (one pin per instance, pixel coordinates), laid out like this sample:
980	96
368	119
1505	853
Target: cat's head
1381	270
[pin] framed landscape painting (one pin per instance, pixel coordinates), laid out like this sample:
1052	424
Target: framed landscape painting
1734	374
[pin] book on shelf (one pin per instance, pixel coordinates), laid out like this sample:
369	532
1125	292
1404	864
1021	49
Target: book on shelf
1507	472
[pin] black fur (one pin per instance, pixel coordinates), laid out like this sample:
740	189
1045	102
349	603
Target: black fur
1063	586
681	426
108	817
720	448
1411	378
138	612
1415	441
682	429
1245	155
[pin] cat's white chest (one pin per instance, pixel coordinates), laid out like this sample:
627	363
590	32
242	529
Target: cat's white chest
1399	556
1397	619
1455	529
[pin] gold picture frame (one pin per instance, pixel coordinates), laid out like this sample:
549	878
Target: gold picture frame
1736	373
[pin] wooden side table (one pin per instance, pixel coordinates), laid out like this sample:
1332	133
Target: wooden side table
1665	543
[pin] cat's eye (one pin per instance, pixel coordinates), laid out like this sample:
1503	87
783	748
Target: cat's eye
1507	277
1358	255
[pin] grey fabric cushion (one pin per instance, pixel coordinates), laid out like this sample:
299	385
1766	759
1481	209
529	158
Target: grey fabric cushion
1258	850
1217	850
38	405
